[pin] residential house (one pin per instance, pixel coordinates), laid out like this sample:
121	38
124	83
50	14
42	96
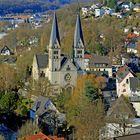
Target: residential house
44	112
134	89
132	61
99	12
125	5
87	58
122	80
5	51
9	60
132	48
129	85
108	10
120	120
137	7
85	11
100	64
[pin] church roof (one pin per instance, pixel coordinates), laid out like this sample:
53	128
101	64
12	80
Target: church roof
64	59
55	32
42	60
78	35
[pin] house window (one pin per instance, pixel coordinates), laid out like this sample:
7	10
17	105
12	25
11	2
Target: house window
124	90
116	132
127	81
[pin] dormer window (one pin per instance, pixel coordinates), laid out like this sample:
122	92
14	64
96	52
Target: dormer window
68	67
38	104
47	104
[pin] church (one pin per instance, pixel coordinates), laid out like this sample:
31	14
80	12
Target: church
61	70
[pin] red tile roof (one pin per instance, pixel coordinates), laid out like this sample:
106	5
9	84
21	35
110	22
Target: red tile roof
39	136
55	138
131	36
87	56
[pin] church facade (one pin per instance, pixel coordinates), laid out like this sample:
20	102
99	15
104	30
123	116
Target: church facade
61	70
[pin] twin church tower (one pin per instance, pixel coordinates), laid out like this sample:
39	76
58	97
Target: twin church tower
61	70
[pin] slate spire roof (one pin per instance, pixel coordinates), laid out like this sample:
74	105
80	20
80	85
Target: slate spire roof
78	32
55	32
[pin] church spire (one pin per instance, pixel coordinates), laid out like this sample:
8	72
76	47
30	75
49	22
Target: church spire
78	35
54	33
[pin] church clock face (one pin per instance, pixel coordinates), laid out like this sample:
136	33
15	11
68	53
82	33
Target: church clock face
67	77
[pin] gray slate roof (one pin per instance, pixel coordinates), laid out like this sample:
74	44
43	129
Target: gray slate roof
122	72
121	107
5	48
97	59
55	32
129	137
42	105
134	83
78	32
42	60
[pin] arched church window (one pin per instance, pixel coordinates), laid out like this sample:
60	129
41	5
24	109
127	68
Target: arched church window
79	51
55	52
42	74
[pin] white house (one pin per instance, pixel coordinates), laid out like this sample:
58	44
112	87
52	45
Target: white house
137	7
5	51
101	64
122	81
99	12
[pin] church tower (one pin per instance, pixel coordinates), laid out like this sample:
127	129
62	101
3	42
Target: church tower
78	45
54	47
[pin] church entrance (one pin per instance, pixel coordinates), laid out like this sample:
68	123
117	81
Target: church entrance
69	89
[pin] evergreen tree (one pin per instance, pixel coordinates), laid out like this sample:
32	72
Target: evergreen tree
8	102
90	91
111	3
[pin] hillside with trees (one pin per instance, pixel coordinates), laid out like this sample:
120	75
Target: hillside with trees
31	6
103	36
